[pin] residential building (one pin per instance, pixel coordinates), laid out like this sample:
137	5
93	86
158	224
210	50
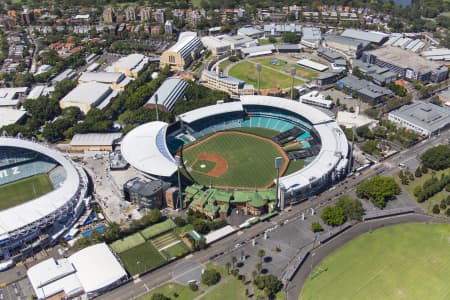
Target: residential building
168	27
233	86
180	55
130	13
158	16
424	118
108	15
145	14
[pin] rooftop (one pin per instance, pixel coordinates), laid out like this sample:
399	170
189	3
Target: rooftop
404	59
426	115
370	36
103	77
89	92
143	187
169	93
346	40
95	139
364	87
10	116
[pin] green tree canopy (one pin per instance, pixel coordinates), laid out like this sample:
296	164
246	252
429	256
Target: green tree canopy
353	209
333	215
210	277
437	158
378	190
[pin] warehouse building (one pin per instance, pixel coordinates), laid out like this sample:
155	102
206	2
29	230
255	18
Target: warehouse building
94	141
349	46
363	89
437	54
379	75
408	65
10	97
129	65
373	37
185	50
40	90
168	94
117	80
215	45
250	31
233	86
9	116
424	118
86	96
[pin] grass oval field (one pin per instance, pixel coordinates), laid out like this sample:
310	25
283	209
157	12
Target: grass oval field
408	261
249	159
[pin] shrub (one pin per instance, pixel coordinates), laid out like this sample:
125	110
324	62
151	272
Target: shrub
436	209
443	204
316	227
447	212
210	277
179	221
193	286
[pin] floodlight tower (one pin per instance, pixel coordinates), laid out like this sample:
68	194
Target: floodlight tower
178	163
278	164
258	69
156	107
293	72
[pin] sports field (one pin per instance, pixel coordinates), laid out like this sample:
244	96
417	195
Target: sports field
141	258
24	190
240	160
127	243
246	71
157	229
284	66
409	261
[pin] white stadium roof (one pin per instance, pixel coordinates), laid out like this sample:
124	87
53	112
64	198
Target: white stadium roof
203	112
145	149
89	270
22	215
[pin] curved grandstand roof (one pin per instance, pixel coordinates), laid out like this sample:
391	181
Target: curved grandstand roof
334	143
145	149
211	110
19	216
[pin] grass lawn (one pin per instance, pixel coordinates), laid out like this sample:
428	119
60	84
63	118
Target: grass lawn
184	229
264	132
170	289
129	242
436	199
408	261
294	166
157	229
141	258
176	250
246	71
286	67
250	160
21	191
233	289
224	64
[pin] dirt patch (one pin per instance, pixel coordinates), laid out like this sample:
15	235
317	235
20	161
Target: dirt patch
221	164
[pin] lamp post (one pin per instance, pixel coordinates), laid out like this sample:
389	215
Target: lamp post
258	69
178	163
278	164
156	107
293	72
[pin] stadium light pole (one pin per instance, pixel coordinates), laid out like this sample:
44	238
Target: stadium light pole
293	72
258	69
178	163
278	163
156	107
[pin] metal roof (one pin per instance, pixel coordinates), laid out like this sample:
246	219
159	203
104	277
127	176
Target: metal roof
10	116
95	139
102	77
169	93
312	64
425	115
89	93
370	36
258	49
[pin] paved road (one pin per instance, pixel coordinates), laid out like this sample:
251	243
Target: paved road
318	254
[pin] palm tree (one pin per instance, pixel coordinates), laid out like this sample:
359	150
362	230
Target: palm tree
227	267
233	261
261	253
259	267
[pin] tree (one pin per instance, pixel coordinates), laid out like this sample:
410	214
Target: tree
159	296
436	209
233	261
227	267
418	172
447	212
316	227
179	221
210	277
201	226
353	209
261	253
269	283
258	267
290	37
333	215
378	190
443	204
193	286
437	158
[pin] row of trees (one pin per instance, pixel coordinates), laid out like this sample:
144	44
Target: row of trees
431	187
